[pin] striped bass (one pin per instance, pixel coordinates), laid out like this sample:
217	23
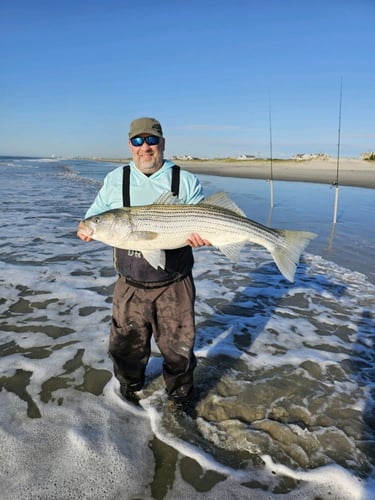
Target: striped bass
168	223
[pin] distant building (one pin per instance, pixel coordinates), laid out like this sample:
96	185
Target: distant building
184	158
310	156
367	156
246	157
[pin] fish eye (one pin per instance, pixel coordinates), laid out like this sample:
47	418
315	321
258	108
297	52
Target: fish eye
96	219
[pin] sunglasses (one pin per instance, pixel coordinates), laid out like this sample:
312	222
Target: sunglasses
151	140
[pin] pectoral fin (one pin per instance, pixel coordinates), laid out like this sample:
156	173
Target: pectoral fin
156	258
144	235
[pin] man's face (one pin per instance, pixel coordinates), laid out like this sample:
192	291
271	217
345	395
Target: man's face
148	159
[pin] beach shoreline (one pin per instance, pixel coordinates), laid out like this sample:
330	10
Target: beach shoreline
351	171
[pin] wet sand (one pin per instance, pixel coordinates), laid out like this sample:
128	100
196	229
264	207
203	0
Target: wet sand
352	172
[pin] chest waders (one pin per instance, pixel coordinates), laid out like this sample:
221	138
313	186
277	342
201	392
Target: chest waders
174	330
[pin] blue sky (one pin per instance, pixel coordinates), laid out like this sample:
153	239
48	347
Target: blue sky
75	73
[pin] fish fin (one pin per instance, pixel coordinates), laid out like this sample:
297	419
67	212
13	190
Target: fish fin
222	200
167	198
232	250
288	252
144	235
156	258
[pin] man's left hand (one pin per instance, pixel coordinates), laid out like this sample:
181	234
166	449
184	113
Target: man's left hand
196	241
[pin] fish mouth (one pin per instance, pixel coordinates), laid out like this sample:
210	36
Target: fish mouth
86	230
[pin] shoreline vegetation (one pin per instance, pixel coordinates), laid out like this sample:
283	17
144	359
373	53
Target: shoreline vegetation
322	169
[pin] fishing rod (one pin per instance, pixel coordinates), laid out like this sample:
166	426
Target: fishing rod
271	154
336	183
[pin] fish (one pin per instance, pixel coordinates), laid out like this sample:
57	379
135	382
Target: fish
168	223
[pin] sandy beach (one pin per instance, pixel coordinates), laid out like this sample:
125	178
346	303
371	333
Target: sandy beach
352	172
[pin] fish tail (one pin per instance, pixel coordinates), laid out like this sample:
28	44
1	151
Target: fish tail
287	253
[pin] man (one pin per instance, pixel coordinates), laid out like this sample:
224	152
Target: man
148	301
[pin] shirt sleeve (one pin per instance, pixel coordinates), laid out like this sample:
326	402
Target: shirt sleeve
109	195
102	201
191	190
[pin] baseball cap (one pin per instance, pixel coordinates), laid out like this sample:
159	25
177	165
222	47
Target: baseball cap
145	125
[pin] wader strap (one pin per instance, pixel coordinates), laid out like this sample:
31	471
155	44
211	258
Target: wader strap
175	188
175	185
126	186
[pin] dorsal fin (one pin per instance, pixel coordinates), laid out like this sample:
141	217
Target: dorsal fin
167	198
222	200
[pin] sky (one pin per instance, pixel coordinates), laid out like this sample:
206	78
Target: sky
224	78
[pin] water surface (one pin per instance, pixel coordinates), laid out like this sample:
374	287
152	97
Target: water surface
285	374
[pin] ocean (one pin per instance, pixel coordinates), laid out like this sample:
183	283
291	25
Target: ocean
285	373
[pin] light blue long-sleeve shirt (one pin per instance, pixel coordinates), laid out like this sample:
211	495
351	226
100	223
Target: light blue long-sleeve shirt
144	190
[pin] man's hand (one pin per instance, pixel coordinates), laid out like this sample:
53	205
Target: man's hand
196	241
81	234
